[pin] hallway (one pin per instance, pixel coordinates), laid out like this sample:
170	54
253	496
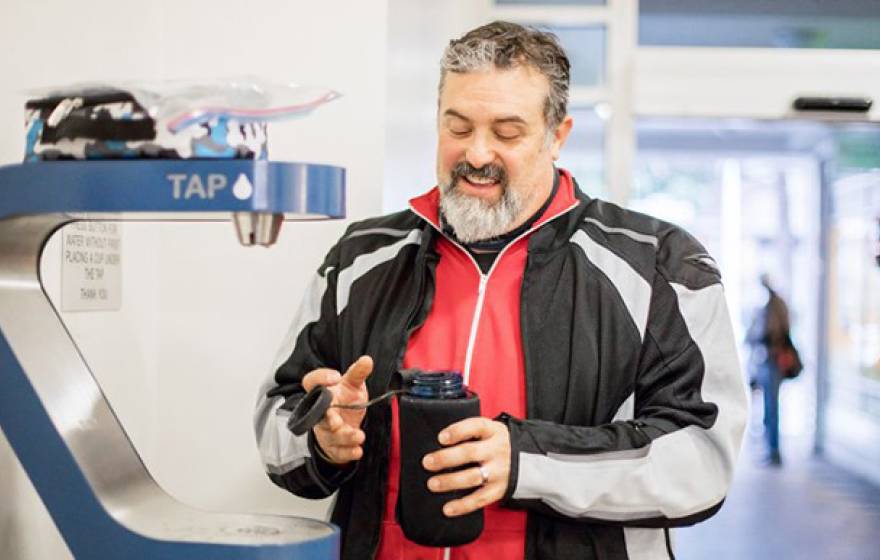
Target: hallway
807	509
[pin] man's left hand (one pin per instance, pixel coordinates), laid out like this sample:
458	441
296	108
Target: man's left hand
479	441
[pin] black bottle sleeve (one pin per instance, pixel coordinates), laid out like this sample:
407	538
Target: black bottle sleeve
420	511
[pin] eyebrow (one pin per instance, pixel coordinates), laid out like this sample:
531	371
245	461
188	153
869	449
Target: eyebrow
502	120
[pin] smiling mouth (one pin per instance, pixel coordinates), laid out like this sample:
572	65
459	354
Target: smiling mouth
488	178
479	182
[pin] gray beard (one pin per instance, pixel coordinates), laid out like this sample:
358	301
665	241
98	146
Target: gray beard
475	219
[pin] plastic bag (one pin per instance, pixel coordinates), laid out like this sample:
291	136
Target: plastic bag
183	119
182	104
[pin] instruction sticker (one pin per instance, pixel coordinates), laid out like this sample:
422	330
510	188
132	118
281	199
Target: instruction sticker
91	271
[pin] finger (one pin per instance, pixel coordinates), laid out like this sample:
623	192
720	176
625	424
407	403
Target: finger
346	436
484	496
332	421
457	455
467	429
358	372
344	454
322	376
340	453
459	480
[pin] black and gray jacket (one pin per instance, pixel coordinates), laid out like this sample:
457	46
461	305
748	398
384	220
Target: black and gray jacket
636	403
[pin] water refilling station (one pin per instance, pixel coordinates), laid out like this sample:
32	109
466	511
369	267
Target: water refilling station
95	486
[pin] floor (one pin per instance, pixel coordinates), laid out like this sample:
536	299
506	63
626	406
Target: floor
804	509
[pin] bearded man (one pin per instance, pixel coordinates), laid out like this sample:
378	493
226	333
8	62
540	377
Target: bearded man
598	340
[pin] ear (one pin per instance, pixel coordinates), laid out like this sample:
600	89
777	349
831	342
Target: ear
560	135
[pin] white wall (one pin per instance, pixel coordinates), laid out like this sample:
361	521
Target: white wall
418	31
201	317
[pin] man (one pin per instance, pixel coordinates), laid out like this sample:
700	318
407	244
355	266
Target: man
769	333
597	338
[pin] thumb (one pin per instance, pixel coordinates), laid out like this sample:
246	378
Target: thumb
358	372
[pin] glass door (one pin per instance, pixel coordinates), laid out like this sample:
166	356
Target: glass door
851	392
750	191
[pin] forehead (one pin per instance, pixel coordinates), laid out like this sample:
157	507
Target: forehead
493	93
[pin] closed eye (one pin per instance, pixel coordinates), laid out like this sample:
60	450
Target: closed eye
507	131
508	136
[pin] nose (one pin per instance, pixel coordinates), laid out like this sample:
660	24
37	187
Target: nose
479	151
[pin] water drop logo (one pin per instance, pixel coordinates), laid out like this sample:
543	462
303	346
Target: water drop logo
242	189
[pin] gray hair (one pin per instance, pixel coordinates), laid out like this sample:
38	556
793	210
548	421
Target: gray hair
506	45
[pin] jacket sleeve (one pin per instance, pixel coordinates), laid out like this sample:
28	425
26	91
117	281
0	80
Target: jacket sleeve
667	457
292	462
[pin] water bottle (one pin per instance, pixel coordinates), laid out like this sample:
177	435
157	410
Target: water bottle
434	400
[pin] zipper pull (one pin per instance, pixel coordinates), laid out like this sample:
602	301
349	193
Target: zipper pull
484	279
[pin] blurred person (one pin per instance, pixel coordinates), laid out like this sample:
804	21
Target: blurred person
768	333
597	338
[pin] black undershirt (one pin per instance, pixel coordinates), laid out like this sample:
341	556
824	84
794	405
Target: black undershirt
485	251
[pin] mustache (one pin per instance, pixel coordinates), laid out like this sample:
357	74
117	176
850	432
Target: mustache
488	171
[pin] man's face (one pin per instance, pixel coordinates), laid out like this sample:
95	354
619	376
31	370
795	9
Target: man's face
494	161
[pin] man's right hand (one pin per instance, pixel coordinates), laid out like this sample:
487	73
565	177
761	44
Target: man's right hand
339	433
